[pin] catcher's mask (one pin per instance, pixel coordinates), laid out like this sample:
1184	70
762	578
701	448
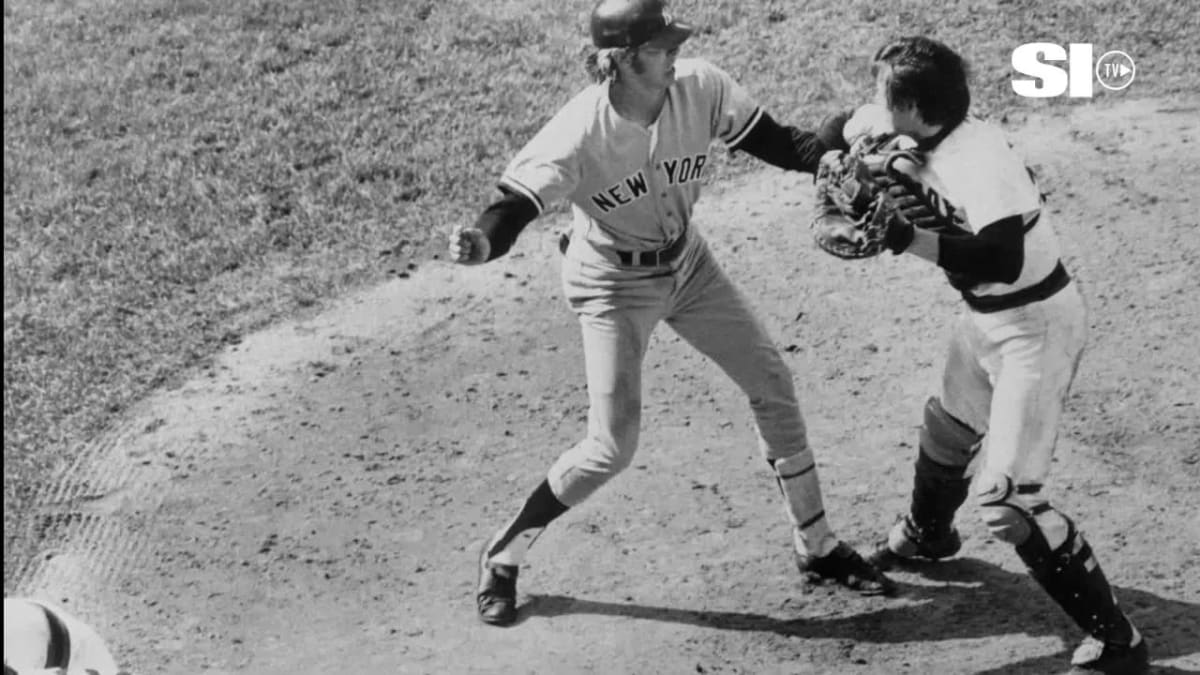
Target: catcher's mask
633	23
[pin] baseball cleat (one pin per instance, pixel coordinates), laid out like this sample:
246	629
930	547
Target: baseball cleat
907	541
1094	657
844	566
497	598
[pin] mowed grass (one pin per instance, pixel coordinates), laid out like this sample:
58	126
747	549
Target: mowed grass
177	173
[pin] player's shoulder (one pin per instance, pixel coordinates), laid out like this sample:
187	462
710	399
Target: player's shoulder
976	134
586	102
579	114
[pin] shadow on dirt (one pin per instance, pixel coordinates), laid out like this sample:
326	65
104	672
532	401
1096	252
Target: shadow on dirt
978	599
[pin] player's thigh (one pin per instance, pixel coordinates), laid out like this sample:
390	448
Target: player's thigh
1027	409
715	317
614	348
617	311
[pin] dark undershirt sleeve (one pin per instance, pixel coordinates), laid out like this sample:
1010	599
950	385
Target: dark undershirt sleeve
994	254
830	131
785	147
503	221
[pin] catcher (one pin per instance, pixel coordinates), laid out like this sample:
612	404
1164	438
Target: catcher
916	175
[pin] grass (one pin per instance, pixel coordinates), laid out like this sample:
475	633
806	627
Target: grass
177	173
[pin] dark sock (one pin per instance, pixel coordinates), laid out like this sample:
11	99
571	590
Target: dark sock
539	510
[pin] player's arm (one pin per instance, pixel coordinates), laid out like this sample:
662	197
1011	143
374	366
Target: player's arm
494	231
787	147
995	253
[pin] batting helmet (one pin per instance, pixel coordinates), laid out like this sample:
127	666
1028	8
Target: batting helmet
632	23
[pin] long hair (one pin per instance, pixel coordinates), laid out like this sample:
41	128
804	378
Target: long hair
928	75
601	64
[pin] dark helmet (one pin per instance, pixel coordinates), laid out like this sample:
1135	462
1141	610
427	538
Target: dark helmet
632	23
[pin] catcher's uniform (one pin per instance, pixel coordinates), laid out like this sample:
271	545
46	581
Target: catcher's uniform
1012	357
634	258
1015	348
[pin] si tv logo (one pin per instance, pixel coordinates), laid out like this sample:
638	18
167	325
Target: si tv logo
1114	70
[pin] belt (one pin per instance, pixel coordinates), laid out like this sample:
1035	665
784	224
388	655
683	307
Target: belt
1053	283
654	258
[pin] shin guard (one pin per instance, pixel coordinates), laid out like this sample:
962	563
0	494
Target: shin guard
938	492
940	484
1072	577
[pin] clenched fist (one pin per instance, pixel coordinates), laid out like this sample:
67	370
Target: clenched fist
469	246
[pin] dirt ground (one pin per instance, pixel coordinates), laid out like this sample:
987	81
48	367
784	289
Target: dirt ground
314	502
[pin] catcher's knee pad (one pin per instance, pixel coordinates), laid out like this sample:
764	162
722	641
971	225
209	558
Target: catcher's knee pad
945	439
1016	513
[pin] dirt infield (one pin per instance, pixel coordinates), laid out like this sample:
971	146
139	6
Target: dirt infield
314	503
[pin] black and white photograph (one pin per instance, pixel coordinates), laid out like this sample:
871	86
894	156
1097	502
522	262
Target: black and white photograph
826	337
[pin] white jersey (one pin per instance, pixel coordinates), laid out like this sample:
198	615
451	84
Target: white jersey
632	187
975	176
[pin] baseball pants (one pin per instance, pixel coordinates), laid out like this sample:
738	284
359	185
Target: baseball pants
618	309
1007	375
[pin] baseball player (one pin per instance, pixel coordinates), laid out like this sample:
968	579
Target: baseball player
41	638
1013	353
629	153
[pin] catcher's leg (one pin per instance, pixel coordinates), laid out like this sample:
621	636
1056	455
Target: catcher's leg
940	485
1062	562
951	436
1035	374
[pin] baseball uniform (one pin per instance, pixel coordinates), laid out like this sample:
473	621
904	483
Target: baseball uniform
1012	357
632	190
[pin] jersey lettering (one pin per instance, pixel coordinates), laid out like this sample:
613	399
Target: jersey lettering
942	206
635	186
631	188
680	171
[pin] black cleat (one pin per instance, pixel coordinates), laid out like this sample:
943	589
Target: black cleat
497	598
1094	657
907	542
844	566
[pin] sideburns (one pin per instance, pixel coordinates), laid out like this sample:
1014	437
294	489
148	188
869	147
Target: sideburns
636	63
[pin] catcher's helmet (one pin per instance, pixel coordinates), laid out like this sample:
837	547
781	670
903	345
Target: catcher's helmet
632	23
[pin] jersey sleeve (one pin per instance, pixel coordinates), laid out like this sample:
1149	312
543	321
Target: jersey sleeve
547	168
992	183
734	111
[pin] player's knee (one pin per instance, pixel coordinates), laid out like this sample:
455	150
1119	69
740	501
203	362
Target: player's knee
1001	512
945	439
609	455
1006	524
1013	513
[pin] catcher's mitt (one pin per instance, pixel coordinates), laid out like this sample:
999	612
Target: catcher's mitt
857	216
